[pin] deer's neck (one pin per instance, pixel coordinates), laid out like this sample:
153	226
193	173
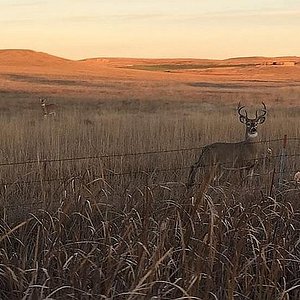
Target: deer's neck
251	138
45	110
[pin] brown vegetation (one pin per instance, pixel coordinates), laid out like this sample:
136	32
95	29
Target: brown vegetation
115	226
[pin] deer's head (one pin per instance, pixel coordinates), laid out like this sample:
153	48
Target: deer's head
251	124
43	101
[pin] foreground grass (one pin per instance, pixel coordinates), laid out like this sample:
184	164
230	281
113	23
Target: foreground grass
218	244
91	234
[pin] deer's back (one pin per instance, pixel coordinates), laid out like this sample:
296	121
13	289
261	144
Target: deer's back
233	154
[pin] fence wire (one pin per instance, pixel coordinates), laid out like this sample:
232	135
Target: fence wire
110	172
116	155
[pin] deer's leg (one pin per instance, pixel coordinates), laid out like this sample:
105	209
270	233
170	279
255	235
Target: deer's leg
242	177
193	172
247	174
192	175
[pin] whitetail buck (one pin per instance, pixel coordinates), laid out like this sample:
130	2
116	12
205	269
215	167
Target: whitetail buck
241	156
48	109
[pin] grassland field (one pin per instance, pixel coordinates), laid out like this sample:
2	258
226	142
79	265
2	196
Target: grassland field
125	226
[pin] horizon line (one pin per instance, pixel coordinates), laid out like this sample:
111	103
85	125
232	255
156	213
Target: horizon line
148	58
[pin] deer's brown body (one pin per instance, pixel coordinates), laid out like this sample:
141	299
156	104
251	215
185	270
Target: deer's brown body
48	109
232	156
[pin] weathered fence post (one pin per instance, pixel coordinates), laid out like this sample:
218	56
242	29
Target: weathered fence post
283	156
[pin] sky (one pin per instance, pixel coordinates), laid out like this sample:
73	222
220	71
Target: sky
219	29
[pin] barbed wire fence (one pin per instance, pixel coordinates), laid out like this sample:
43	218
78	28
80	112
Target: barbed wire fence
283	156
115	155
281	163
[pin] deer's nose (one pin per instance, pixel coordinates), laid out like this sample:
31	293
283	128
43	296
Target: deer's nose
253	130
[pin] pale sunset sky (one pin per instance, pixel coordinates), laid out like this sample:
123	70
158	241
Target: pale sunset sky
152	28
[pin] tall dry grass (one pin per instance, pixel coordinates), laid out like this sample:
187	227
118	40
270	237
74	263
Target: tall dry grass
83	130
221	245
77	230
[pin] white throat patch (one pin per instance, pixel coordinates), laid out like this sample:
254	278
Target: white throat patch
252	135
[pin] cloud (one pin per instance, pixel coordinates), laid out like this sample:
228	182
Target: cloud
183	17
254	13
114	17
36	12
22	4
242	16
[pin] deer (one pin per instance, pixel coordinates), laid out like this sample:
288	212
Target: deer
241	156
48	109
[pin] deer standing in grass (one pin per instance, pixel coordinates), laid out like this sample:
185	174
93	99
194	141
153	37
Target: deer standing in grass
48	109
239	156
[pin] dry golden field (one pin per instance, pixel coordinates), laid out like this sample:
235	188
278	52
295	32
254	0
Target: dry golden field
94	203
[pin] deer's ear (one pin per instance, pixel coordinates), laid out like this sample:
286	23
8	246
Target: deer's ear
261	120
243	119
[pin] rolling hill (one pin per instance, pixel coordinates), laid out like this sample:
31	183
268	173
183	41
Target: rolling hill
28	71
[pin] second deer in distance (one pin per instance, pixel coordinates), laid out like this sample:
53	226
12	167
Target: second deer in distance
48	109
239	156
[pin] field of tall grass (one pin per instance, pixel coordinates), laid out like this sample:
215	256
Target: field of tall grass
119	223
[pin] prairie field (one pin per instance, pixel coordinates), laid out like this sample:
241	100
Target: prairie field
94	202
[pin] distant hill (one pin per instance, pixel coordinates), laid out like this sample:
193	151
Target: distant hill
22	58
30	58
27	72
114	61
261	59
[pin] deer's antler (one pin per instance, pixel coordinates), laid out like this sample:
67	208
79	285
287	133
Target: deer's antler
263	112
240	111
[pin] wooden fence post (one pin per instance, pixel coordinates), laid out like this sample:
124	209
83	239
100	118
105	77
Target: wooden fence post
283	156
